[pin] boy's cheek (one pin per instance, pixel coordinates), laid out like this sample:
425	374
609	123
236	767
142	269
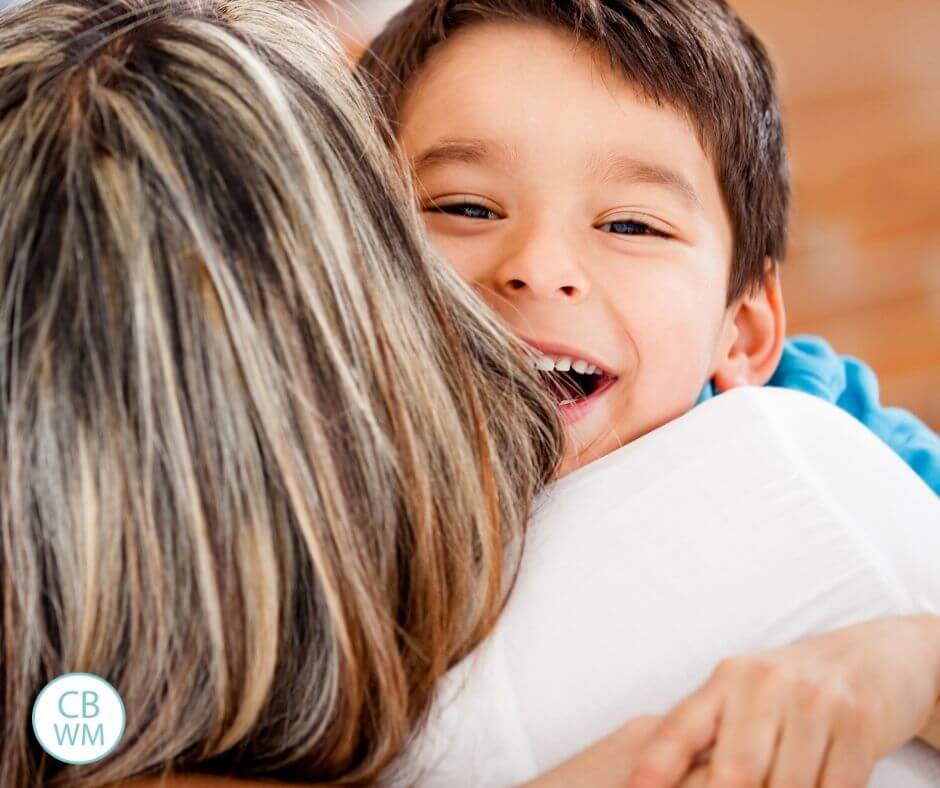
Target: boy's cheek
668	327
673	344
469	256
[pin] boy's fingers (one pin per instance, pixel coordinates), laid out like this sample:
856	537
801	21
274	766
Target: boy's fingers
688	730
697	778
747	740
802	749
846	765
852	754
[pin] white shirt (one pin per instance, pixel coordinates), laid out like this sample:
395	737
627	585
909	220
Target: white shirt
762	516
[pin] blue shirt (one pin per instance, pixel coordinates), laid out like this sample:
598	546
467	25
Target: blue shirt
810	364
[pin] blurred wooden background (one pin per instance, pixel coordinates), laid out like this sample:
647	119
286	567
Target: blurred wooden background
860	85
860	88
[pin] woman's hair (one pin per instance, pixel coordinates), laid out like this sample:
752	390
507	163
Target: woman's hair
265	462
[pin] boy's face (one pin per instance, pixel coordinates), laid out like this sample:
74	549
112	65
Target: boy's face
589	218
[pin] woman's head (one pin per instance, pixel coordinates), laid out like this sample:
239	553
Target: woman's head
261	455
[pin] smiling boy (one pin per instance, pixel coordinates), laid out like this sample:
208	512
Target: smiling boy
612	177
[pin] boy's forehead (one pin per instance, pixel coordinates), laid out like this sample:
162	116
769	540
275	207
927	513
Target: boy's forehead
473	55
513	82
514	95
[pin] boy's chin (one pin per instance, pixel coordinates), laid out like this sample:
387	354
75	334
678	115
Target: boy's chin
580	452
568	465
586	442
594	435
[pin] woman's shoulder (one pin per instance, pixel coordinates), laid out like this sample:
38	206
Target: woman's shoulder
828	449
751	503
754	428
770	504
760	450
745	460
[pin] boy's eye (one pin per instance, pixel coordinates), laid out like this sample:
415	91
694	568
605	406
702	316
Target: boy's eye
468	210
629	227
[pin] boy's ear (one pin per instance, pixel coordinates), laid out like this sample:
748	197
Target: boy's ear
752	340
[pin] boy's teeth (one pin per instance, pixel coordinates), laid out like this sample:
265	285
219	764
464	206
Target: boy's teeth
564	364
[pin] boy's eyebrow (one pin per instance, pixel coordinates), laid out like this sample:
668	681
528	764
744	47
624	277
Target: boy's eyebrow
463	149
619	167
611	168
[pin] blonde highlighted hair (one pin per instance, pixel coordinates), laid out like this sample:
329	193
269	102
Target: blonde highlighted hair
264	460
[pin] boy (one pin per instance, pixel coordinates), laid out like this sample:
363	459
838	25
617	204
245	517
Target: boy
612	177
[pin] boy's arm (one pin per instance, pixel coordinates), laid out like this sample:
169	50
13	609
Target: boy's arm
608	763
809	364
865	689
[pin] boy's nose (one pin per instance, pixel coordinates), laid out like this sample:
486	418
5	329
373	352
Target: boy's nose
543	274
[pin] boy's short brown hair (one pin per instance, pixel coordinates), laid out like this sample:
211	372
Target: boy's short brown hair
696	55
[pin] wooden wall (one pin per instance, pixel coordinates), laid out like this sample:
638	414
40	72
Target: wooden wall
860	85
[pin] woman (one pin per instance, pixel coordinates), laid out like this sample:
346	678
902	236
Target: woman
729	585
251	429
266	463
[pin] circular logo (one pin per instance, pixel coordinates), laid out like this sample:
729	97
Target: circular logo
78	718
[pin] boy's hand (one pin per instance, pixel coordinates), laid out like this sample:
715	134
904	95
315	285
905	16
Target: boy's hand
820	712
608	762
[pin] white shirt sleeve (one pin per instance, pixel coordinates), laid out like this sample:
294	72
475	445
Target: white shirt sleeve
762	516
864	485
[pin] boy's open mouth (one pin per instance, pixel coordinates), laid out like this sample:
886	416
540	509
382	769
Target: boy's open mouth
567	388
569	379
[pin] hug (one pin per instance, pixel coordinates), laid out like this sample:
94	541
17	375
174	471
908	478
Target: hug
434	423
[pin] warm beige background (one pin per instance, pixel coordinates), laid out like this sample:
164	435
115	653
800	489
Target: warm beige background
860	87
861	94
